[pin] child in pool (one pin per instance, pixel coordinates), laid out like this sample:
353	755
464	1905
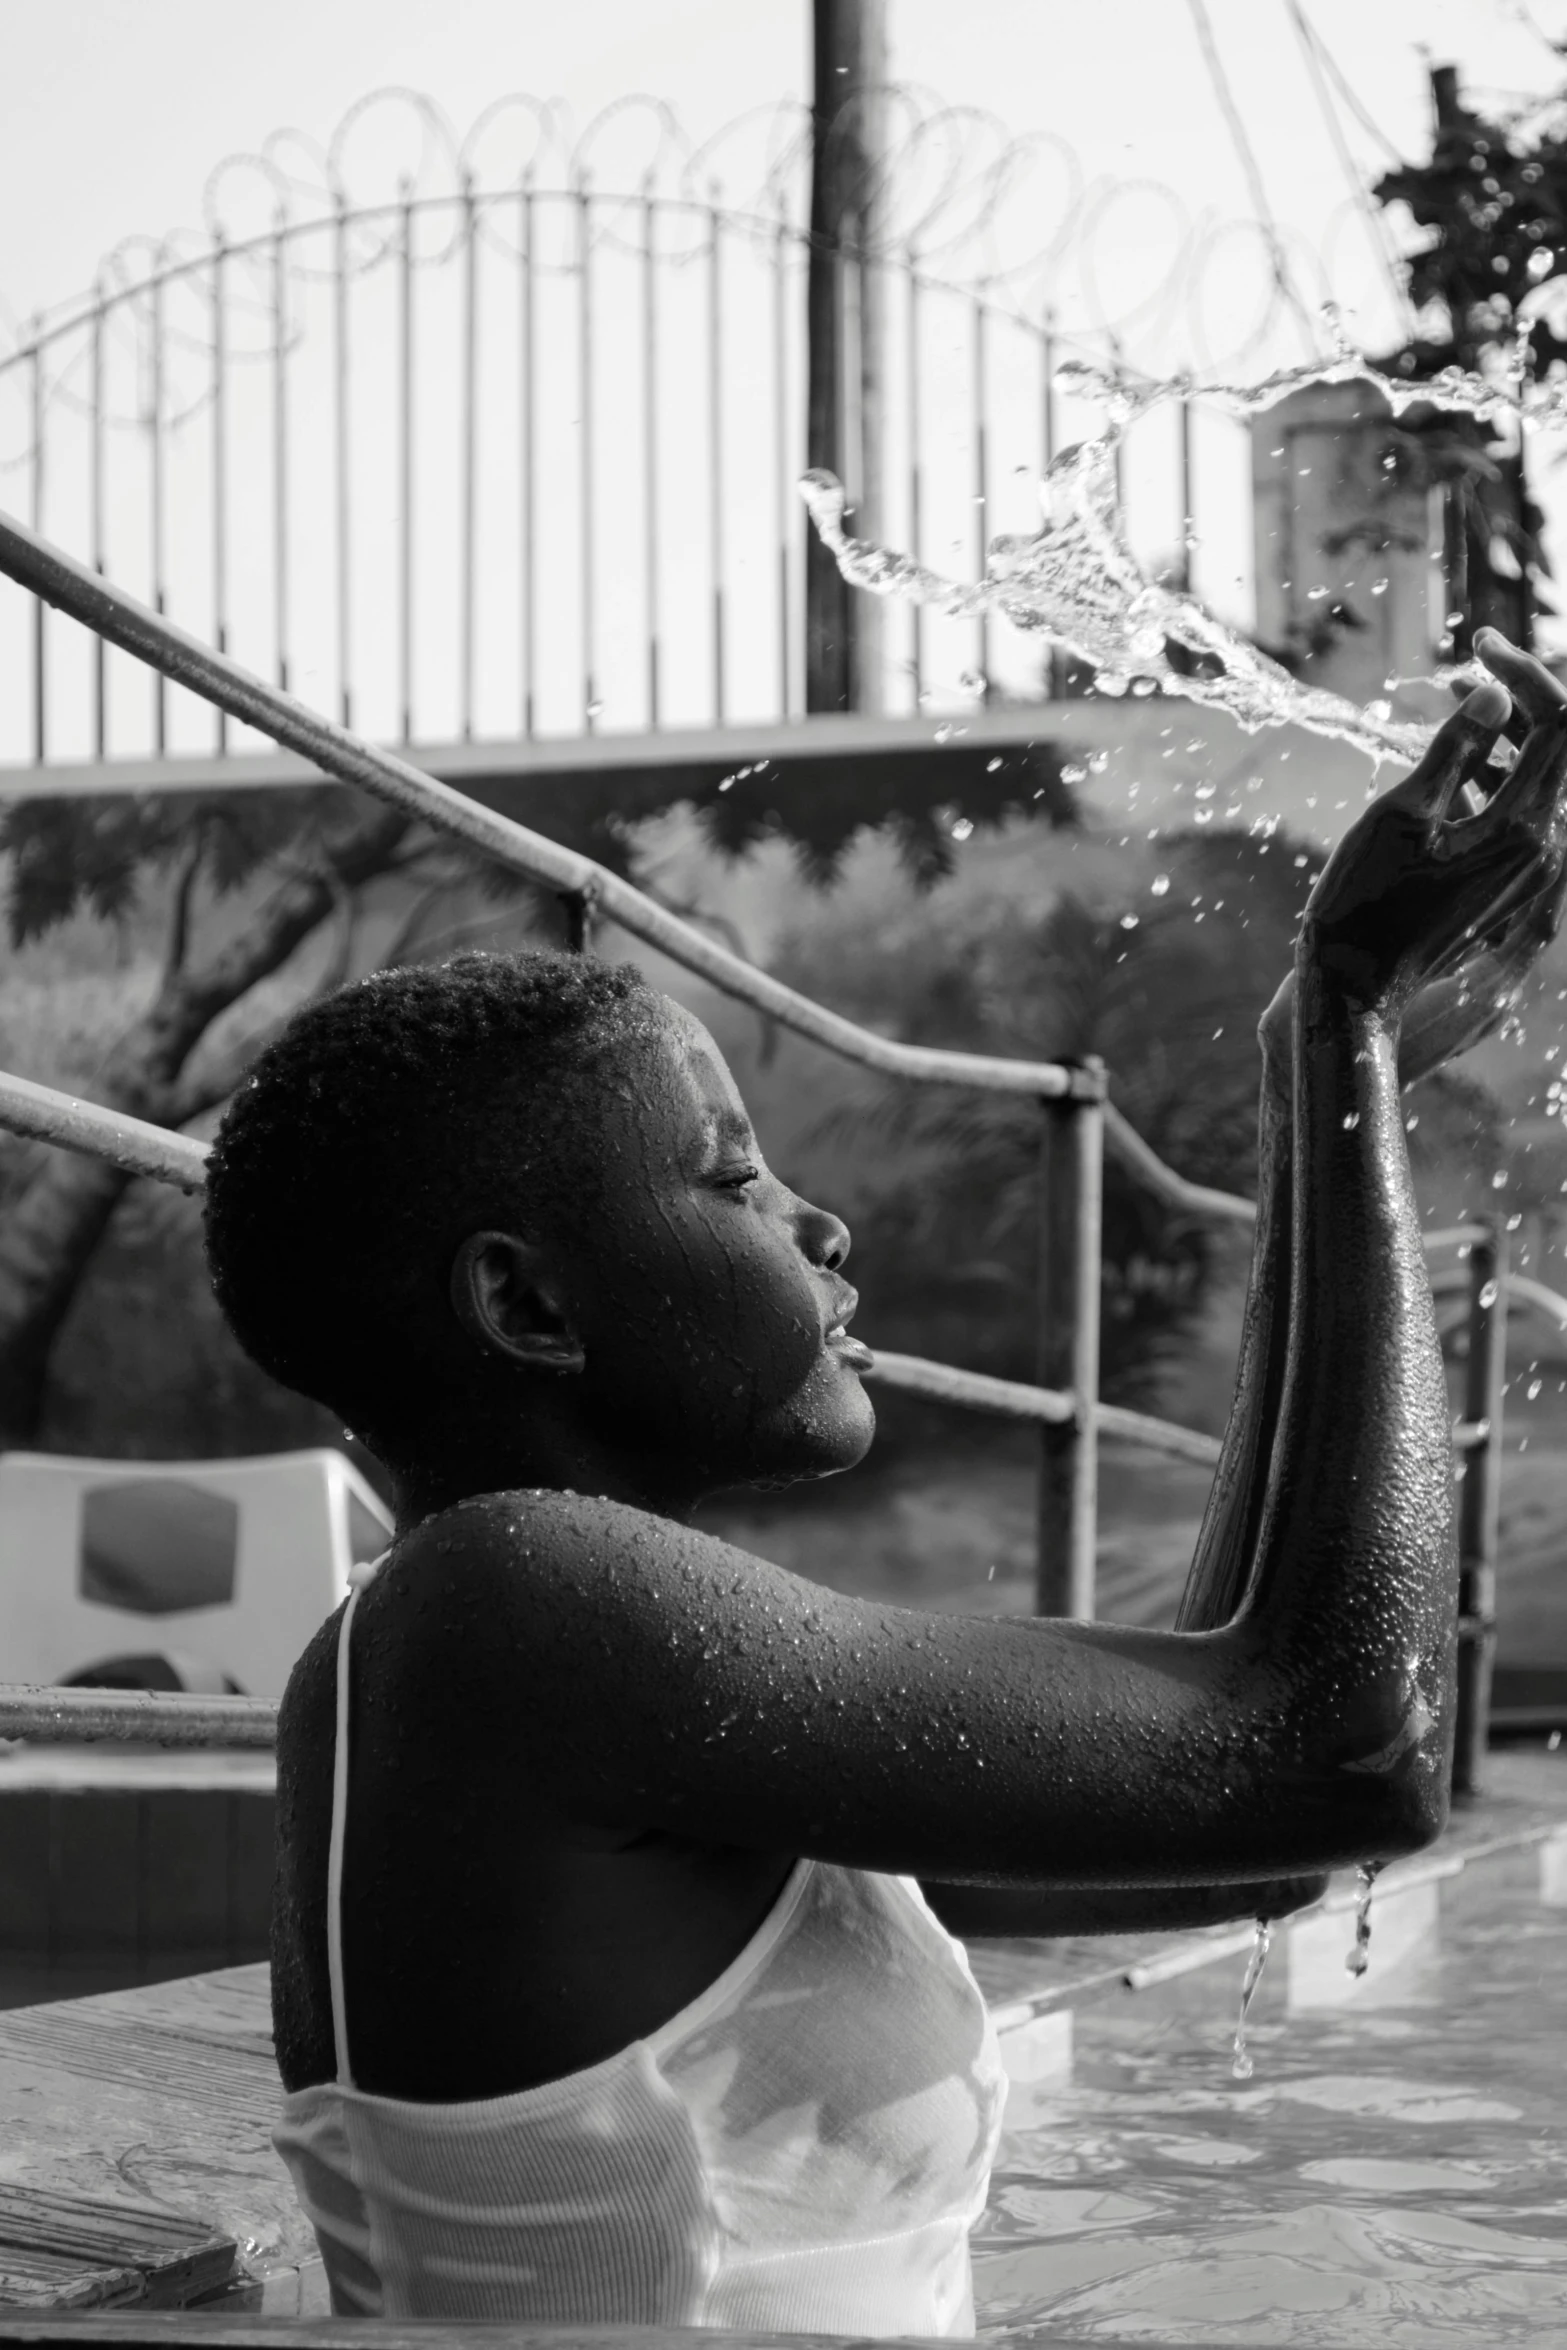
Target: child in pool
614	1977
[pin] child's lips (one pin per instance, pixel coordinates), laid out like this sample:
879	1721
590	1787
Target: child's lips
853	1350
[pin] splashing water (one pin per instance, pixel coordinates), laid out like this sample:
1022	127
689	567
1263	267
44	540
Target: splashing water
1360	1956
1241	2066
1079	583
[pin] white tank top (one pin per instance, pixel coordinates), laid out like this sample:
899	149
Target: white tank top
803	2149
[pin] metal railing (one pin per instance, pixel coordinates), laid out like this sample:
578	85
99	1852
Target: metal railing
280	438
1079	1125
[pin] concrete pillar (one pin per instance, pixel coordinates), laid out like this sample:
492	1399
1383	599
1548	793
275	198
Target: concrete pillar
1348	547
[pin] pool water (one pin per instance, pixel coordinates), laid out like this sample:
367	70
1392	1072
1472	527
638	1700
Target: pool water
1394	2171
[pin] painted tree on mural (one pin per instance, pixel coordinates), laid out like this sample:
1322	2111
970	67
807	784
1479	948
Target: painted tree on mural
267	896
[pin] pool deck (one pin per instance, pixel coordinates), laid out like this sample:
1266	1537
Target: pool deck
136	2166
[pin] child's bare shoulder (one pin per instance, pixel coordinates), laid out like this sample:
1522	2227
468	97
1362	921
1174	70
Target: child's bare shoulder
556	1564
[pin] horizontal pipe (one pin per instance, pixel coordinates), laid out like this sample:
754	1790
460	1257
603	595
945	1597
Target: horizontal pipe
1015	1399
1125	1144
50	573
141	1149
976	1391
140	1717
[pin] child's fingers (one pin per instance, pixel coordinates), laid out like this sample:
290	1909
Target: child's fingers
1463	743
1532	791
1529	682
1517	722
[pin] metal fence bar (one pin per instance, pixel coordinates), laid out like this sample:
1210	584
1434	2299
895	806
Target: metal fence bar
911	393
787	507
1187	492
715	427
585	448
1071	1193
405	460
160	601
1055	664
36	514
981	475
470	454
650	547
280	533
1479	1503
341	467
526	573
96	525
220	568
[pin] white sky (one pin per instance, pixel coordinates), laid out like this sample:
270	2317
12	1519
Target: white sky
112	112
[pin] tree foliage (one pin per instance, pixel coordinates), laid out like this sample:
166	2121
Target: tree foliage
1494	206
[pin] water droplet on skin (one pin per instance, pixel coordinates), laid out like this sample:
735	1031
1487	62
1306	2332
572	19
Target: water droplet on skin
1360	1956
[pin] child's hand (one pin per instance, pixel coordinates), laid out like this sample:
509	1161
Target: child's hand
1412	890
1448	1014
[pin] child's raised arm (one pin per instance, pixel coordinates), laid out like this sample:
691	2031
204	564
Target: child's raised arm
657	1678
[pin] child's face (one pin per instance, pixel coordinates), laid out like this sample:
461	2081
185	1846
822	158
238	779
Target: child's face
706	1288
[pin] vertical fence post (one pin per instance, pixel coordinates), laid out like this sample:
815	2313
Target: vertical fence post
580	909
1479	1503
36	517
1071	1171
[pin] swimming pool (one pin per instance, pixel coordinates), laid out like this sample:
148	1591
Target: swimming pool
1394	2172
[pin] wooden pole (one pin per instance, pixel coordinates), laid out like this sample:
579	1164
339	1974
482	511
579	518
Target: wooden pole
1479	1504
845	334
1071	1181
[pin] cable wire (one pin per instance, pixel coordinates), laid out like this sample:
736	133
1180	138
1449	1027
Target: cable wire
1251	168
1367	121
1375	219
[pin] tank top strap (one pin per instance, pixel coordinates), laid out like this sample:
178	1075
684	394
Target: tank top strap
359	1576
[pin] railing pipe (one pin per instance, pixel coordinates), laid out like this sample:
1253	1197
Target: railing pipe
981	476
66	1717
1071	1190
46	570
1479	1500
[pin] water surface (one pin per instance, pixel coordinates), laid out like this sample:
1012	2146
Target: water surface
1394	2172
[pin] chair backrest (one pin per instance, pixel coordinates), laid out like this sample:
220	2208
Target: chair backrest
230	1565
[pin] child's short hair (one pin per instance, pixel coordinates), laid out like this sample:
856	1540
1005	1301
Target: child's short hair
384	1124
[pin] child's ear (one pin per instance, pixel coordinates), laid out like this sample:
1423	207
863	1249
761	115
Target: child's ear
507	1296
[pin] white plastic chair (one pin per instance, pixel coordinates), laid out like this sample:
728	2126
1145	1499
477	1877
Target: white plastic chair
222	1568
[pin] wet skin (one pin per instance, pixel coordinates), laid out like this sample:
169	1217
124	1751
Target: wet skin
589	1740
